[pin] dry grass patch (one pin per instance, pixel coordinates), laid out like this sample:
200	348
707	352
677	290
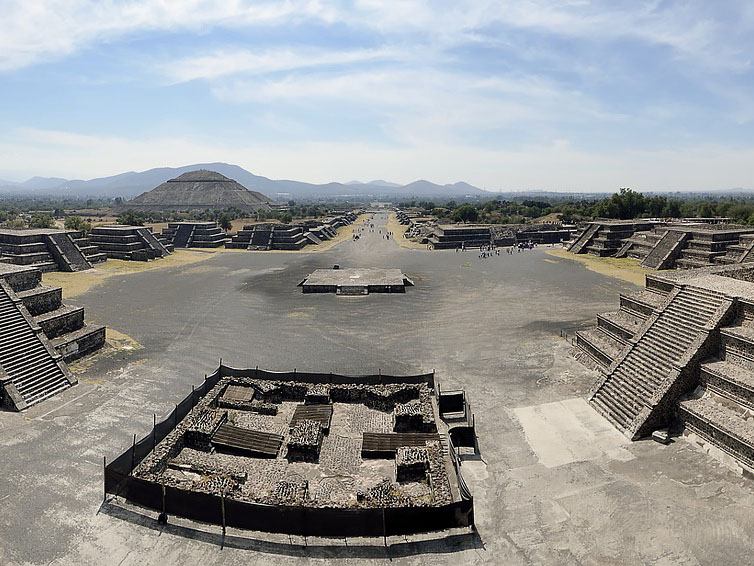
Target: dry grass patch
80	282
625	269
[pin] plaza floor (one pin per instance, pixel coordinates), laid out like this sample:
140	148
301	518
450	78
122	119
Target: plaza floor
554	485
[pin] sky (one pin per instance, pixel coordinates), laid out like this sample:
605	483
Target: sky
566	95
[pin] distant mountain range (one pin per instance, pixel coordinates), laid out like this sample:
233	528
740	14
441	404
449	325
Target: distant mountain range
131	184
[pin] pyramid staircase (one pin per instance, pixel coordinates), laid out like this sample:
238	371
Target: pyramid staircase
30	368
583	240
38	334
721	410
604	342
658	363
152	243
91	252
66	252
665	252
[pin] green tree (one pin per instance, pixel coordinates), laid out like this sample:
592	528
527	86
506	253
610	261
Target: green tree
226	223
77	223
465	213
41	220
130	218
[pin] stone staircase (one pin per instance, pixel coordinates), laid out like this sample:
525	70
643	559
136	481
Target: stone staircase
183	236
60	328
614	330
91	252
583	240
721	410
67	254
30	369
152	243
639	387
666	250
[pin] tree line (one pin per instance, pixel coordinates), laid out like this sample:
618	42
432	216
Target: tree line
625	204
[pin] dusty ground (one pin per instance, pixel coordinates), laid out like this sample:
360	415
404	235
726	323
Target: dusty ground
625	269
75	284
555	485
398	230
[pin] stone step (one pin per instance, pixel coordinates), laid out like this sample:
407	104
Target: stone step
730	380
721	426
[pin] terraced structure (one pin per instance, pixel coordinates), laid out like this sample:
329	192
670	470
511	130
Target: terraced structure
134	243
49	249
194	235
681	350
687	246
38	334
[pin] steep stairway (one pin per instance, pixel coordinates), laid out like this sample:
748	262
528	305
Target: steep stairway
151	242
665	251
583	240
31	371
66	253
183	236
642	376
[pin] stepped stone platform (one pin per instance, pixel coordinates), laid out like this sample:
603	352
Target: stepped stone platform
453	236
49	249
356	281
682	349
688	246
194	235
134	243
607	237
38	334
271	236
264	463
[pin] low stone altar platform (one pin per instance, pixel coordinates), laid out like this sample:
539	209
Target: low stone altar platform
356	281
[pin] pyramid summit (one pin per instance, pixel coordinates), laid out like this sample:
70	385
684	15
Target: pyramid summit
200	189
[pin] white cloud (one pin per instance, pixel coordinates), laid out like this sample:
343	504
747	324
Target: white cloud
41	31
224	62
702	32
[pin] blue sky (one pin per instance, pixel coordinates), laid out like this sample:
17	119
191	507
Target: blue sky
557	95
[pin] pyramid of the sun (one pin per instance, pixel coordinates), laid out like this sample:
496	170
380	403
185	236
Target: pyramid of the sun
200	189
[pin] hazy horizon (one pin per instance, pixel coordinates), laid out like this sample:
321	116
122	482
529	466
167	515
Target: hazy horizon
562	96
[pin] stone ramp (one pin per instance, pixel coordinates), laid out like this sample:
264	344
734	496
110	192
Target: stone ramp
183	236
634	393
584	239
151	242
666	250
66	253
30	369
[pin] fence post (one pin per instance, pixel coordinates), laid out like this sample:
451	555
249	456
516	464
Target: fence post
154	431
193	397
222	509
384	528
104	478
133	455
175	417
163	517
